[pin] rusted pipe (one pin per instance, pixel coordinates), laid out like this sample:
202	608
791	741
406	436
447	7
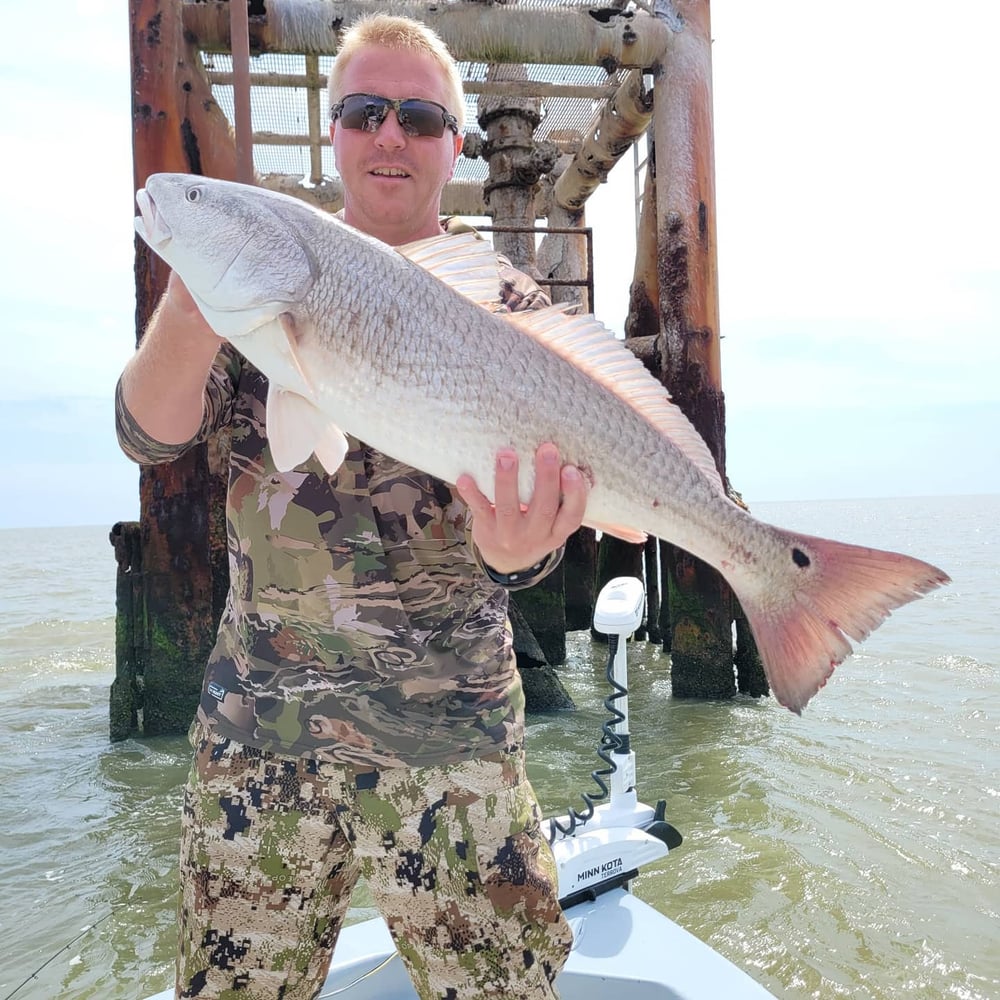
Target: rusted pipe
477	32
239	32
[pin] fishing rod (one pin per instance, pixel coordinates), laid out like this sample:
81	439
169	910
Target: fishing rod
69	944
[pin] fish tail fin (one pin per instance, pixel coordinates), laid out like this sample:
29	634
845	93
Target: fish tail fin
836	592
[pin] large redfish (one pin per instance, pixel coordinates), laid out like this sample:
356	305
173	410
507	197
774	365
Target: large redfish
394	346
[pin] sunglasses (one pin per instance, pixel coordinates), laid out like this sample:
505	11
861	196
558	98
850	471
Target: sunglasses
366	112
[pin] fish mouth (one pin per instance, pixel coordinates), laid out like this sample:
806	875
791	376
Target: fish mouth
150	224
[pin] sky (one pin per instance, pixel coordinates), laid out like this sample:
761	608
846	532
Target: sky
858	215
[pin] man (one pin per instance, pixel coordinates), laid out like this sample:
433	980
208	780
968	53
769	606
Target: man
361	713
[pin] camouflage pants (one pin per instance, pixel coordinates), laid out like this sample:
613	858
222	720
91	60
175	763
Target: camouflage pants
272	846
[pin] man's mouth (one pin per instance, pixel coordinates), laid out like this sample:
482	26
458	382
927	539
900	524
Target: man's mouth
389	172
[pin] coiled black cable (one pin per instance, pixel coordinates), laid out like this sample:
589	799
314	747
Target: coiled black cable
610	743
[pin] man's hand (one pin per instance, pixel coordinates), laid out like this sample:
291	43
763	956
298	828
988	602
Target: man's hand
183	315
511	537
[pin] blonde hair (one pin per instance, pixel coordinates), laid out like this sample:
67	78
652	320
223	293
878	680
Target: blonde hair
393	32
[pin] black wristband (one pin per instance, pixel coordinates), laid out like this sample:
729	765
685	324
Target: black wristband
518	576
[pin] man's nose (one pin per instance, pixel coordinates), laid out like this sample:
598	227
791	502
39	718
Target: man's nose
390	133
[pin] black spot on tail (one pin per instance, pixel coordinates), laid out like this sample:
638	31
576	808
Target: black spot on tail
800	558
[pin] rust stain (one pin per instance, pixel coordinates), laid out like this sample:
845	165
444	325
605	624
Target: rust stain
152	33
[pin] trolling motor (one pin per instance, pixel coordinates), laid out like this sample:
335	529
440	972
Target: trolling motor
603	847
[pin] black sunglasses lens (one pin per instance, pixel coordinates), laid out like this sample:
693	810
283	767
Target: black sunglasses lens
363	112
421	118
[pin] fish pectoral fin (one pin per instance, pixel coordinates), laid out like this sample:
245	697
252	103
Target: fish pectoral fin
331	448
465	262
296	428
293	334
619	531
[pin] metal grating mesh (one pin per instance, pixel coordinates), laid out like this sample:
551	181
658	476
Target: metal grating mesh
280	120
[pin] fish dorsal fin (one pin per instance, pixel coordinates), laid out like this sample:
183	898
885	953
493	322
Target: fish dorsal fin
464	262
590	346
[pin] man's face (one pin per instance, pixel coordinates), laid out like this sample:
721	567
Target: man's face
393	181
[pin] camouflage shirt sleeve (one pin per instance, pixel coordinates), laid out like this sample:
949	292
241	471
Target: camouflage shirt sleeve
220	390
518	293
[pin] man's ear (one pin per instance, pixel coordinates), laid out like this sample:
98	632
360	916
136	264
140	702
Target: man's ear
459	142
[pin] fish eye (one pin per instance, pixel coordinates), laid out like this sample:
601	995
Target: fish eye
193	194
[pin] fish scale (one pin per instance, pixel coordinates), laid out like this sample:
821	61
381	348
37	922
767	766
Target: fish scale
404	348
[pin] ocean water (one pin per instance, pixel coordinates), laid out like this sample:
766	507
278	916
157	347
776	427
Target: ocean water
852	852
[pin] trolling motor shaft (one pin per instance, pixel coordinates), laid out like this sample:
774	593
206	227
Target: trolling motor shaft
618	614
604	846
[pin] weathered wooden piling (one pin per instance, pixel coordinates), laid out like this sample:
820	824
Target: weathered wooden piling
168	625
130	638
701	605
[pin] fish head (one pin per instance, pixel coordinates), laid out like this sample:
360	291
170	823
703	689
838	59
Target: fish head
237	248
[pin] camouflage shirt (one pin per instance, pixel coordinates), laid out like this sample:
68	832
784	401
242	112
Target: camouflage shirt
359	626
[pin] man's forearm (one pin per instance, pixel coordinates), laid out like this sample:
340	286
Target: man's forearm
163	385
